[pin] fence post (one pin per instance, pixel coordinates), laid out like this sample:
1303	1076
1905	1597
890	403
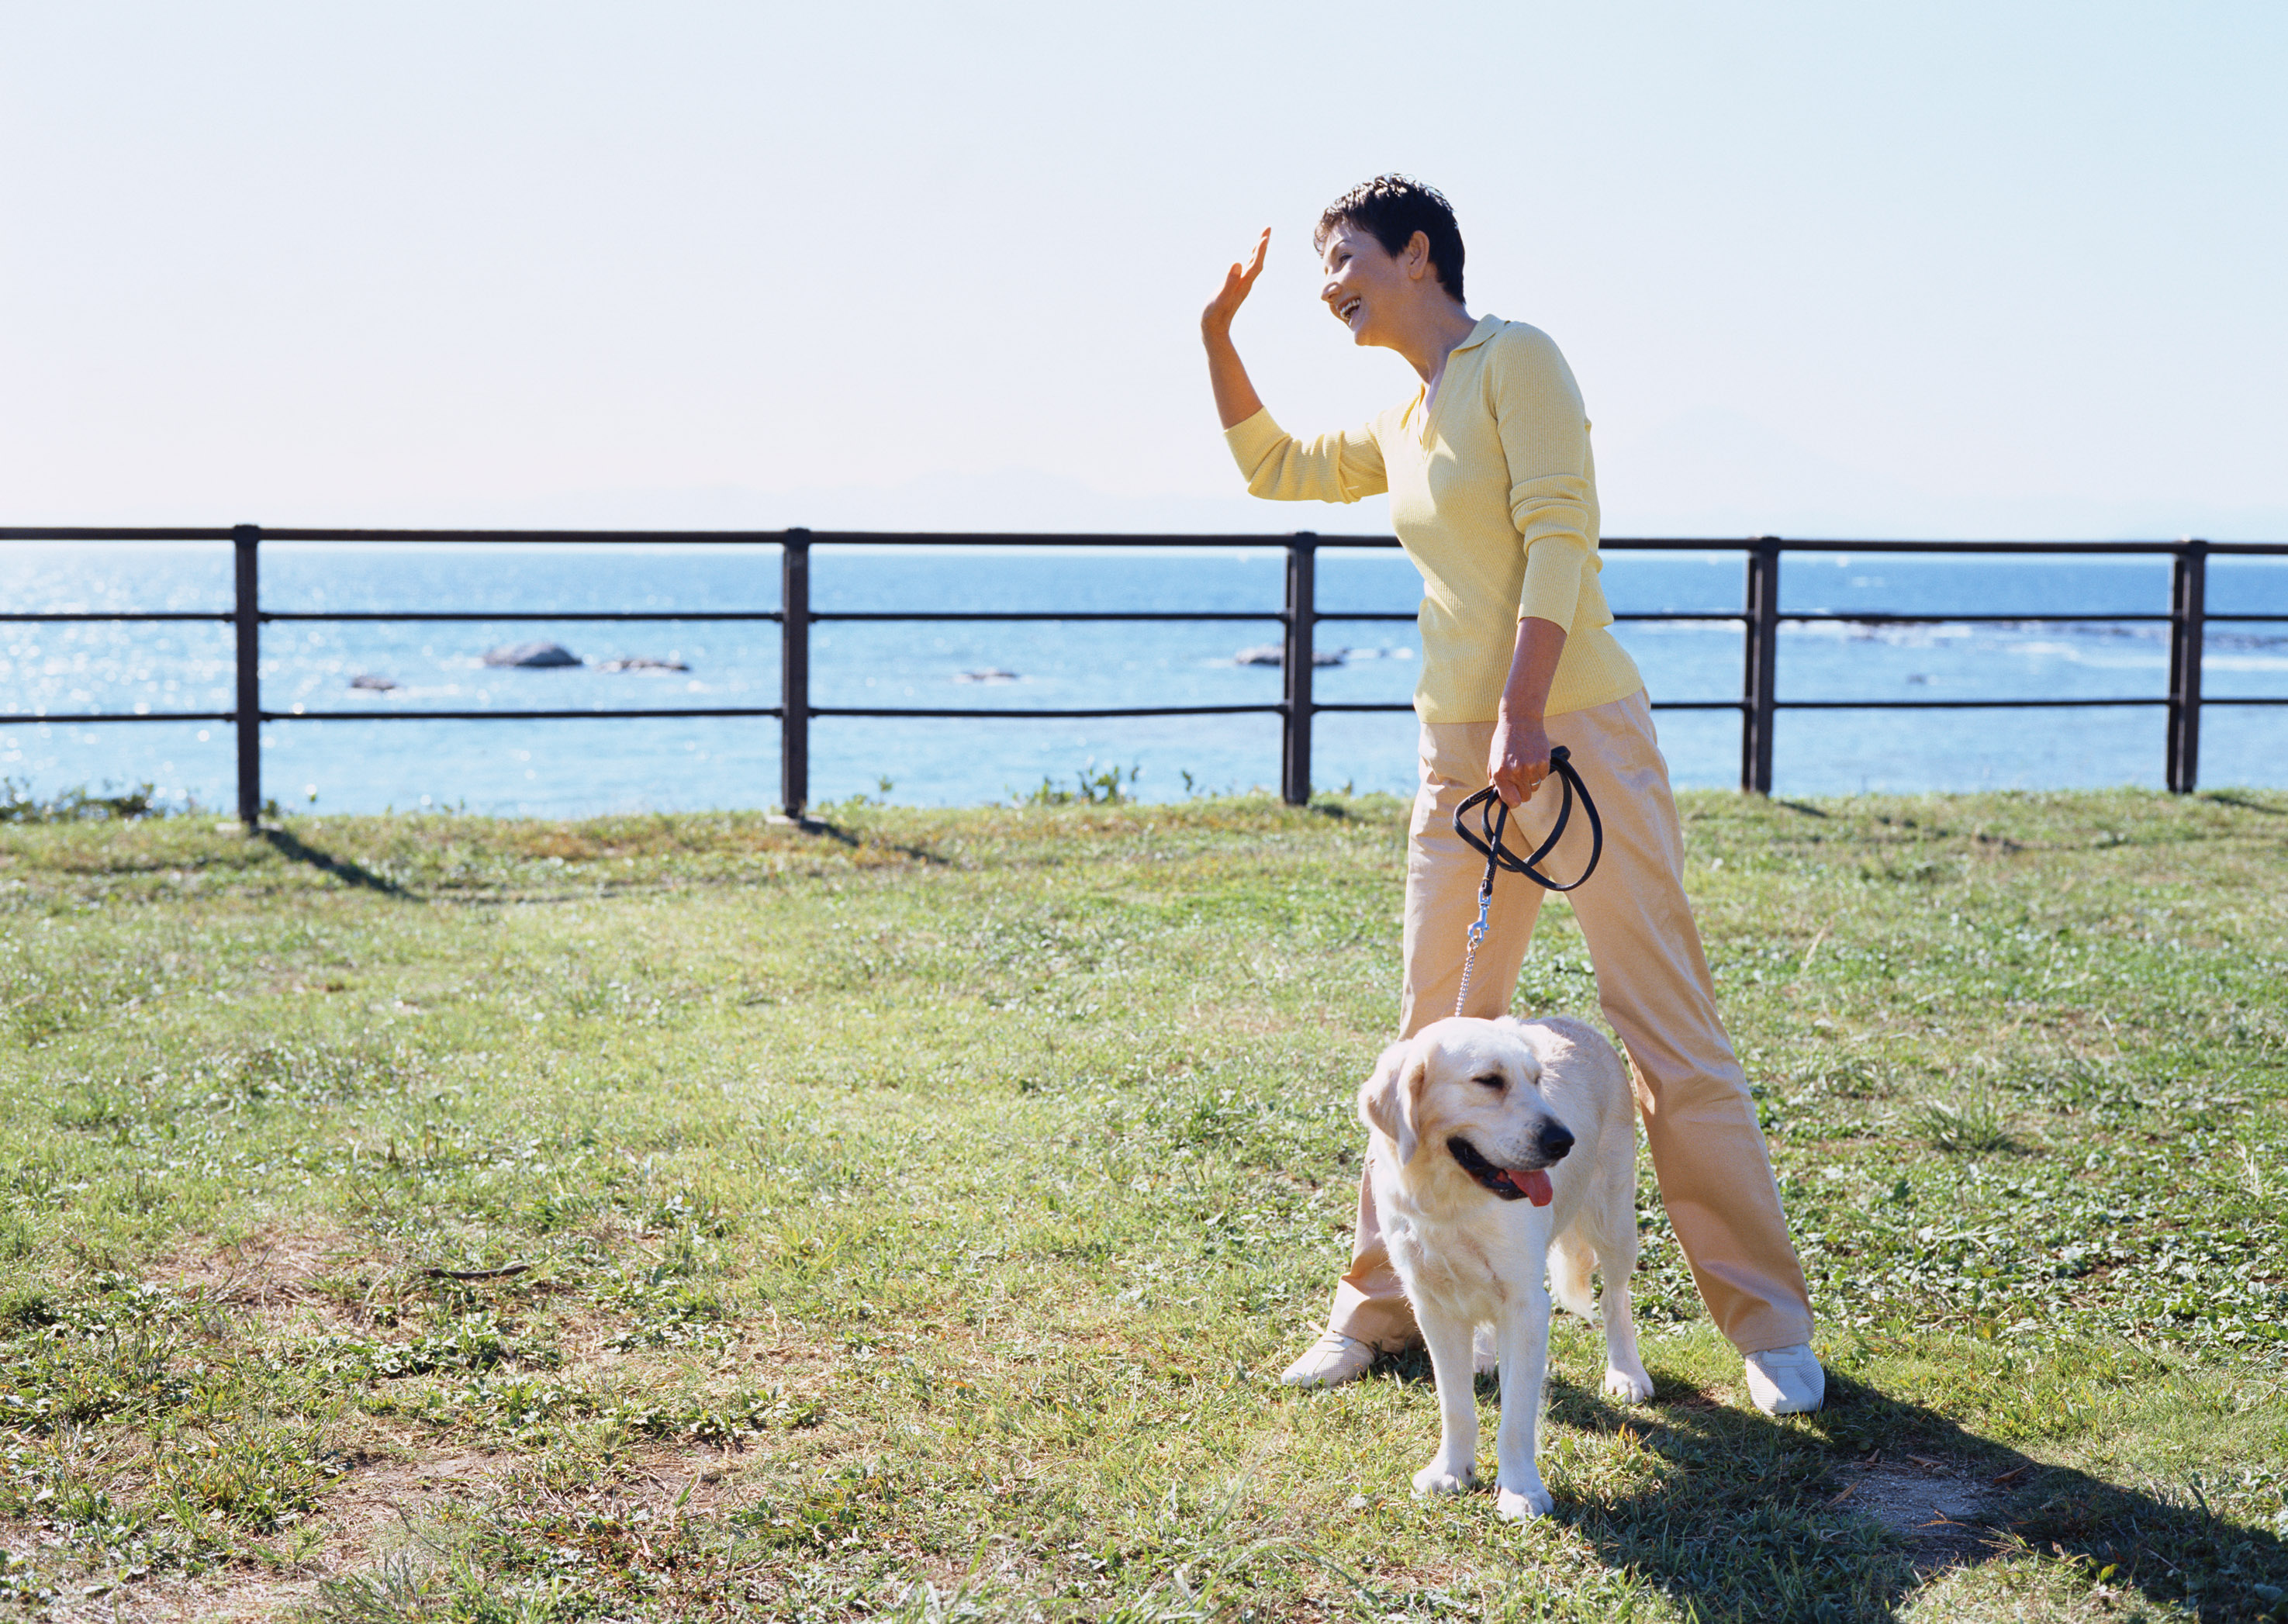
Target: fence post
1757	708
794	671
1295	664
2187	636
246	540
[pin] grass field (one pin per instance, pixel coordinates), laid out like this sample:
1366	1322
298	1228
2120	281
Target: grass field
909	1219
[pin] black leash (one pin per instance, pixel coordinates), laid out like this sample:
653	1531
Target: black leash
1493	820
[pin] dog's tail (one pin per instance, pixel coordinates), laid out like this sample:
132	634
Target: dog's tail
1570	1259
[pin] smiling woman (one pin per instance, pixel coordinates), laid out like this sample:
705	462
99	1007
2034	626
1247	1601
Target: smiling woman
1493	493
1412	225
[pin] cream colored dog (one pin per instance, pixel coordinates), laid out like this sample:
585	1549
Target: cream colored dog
1504	1152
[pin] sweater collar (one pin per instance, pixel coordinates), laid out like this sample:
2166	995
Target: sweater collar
1487	327
1418	410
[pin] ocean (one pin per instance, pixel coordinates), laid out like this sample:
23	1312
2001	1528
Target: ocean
573	768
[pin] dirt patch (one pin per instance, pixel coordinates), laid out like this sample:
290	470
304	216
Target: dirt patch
1944	1509
378	1497
176	1600
369	1513
377	1506
271	1273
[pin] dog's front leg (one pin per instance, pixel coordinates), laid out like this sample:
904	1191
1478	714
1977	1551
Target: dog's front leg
1454	1465
1524	1362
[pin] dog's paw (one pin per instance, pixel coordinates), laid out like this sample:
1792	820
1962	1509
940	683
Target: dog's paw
1436	1479
1627	1386
1517	1505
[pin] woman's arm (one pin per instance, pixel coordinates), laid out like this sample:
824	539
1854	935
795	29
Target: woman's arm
1235	396
1342	467
1544	436
1519	758
1545	442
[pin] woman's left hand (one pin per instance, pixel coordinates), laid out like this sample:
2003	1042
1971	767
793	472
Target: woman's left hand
1519	760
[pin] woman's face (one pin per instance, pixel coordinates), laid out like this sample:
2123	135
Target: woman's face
1366	286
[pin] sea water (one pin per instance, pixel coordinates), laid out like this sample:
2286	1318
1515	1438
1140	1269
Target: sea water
563	768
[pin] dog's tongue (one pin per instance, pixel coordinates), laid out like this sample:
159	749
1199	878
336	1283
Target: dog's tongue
1535	1185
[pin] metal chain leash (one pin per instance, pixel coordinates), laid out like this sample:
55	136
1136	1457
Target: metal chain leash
1477	935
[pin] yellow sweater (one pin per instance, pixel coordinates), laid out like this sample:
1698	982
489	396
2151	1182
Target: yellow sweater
1493	493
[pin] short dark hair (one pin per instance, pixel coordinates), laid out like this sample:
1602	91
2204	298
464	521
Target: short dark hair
1391	208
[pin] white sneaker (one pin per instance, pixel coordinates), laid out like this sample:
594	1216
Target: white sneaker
1787	1380
1333	1359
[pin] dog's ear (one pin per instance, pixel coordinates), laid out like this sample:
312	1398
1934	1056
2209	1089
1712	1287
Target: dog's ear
1390	1100
1377	1097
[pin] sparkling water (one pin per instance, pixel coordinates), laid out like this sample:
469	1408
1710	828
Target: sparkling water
561	768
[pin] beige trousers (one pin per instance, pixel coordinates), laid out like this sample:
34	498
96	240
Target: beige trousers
1653	982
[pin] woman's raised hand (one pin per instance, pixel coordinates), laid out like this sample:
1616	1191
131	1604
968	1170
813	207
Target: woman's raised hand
1234	397
1216	320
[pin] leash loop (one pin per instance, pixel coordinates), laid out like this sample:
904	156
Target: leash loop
1493	822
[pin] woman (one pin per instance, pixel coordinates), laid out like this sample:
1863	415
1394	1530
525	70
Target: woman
1493	494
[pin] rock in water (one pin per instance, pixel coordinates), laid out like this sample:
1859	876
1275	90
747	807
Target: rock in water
643	662
378	684
1272	654
532	654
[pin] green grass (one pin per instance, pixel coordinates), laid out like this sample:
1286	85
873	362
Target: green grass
914	1216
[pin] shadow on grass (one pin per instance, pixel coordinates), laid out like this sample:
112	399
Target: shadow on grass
853	839
2226	797
1848	1513
349	872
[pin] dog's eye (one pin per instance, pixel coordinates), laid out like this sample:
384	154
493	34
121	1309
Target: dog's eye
1491	1079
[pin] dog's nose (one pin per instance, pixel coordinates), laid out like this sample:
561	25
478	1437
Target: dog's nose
1556	1139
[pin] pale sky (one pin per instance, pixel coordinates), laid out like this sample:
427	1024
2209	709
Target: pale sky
1823	269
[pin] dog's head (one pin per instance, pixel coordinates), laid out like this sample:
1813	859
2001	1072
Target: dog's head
1468	1090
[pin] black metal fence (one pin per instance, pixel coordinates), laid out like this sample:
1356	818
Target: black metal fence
1759	619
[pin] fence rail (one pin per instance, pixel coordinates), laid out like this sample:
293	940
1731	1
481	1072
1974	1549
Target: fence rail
1759	618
